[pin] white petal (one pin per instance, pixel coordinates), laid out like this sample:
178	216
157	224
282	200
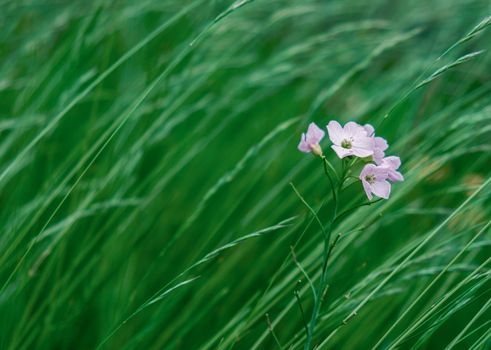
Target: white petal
381	172
361	152
364	142
314	134
342	152
336	134
354	130
367	170
395	176
393	162
368	191
381	189
369	129
378	156
381	143
303	146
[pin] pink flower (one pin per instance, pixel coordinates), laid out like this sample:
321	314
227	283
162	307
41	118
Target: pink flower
374	180
352	140
379	143
310	141
392	163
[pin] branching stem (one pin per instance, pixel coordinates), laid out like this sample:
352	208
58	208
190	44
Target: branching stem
329	246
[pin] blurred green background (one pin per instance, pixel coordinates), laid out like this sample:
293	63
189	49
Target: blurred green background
138	137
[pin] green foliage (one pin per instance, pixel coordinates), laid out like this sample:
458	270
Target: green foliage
147	150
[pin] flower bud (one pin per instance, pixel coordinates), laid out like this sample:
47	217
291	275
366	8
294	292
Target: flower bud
316	149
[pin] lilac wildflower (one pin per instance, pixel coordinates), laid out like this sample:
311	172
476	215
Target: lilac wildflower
350	140
310	141
374	180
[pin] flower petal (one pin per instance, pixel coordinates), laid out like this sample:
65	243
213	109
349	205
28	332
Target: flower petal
354	130
336	133
381	172
378	156
361	152
381	143
395	176
368	190
303	146
364	142
367	170
369	129
314	134
342	152
393	162
381	189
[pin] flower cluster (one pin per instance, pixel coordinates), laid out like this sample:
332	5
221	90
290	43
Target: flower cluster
354	140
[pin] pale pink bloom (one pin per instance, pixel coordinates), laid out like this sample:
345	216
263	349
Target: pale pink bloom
379	143
374	180
350	140
392	163
310	141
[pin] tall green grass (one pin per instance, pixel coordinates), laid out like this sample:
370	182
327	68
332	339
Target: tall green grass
147	150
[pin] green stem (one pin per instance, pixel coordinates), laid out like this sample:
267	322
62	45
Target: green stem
327	166
322	282
320	292
328	246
